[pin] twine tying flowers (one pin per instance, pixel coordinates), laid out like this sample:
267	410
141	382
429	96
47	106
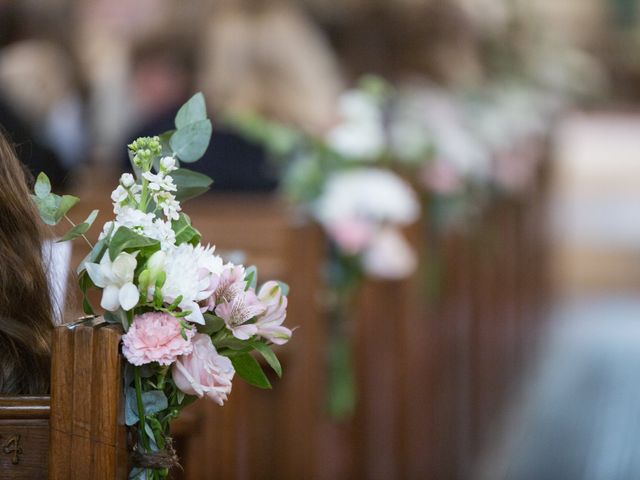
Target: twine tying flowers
166	458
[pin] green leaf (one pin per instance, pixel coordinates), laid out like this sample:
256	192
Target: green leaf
42	188
212	324
47	208
249	370
165	138
153	402
86	283
190	184
193	111
251	277
81	228
127	239
66	203
95	253
190	142
185	233
269	356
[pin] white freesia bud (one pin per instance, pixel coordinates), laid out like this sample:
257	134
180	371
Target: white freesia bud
127	180
168	164
155	265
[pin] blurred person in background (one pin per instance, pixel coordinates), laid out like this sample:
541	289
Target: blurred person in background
267	57
36	78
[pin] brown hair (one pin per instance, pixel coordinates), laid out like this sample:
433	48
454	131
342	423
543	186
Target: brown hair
25	305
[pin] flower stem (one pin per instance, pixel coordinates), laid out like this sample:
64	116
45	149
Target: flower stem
83	235
142	432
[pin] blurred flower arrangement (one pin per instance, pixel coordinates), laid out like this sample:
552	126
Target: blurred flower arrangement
344	180
191	321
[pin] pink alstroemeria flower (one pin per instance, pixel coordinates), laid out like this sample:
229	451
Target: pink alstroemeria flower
269	324
238	312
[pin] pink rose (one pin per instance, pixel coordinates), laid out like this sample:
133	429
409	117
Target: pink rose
204	372
351	235
155	337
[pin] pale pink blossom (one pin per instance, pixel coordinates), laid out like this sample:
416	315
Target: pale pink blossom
351	235
238	312
204	372
441	177
229	285
156	337
390	256
269	324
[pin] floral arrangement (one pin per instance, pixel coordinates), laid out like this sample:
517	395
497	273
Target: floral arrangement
190	319
345	180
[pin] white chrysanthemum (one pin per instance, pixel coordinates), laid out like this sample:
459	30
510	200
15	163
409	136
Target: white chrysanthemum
143	223
360	135
370	194
192	272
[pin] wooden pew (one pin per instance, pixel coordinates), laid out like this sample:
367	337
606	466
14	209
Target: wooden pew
24	437
78	432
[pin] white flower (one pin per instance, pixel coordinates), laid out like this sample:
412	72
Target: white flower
160	181
390	257
269	323
119	195
360	135
145	224
127	180
369	194
169	205
116	280
168	164
192	273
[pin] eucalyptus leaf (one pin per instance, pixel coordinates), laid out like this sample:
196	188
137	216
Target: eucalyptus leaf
153	402
66	203
269	356
81	228
95	254
249	370
164	143
42	188
47	208
86	283
190	142
193	111
127	239
190	184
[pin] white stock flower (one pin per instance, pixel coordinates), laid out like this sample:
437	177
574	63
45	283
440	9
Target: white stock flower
160	181
168	164
145	224
169	205
119	195
116	280
192	273
369	194
127	180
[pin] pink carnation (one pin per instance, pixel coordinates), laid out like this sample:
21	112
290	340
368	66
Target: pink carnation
156	337
204	372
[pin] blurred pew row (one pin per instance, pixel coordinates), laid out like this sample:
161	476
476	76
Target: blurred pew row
436	355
